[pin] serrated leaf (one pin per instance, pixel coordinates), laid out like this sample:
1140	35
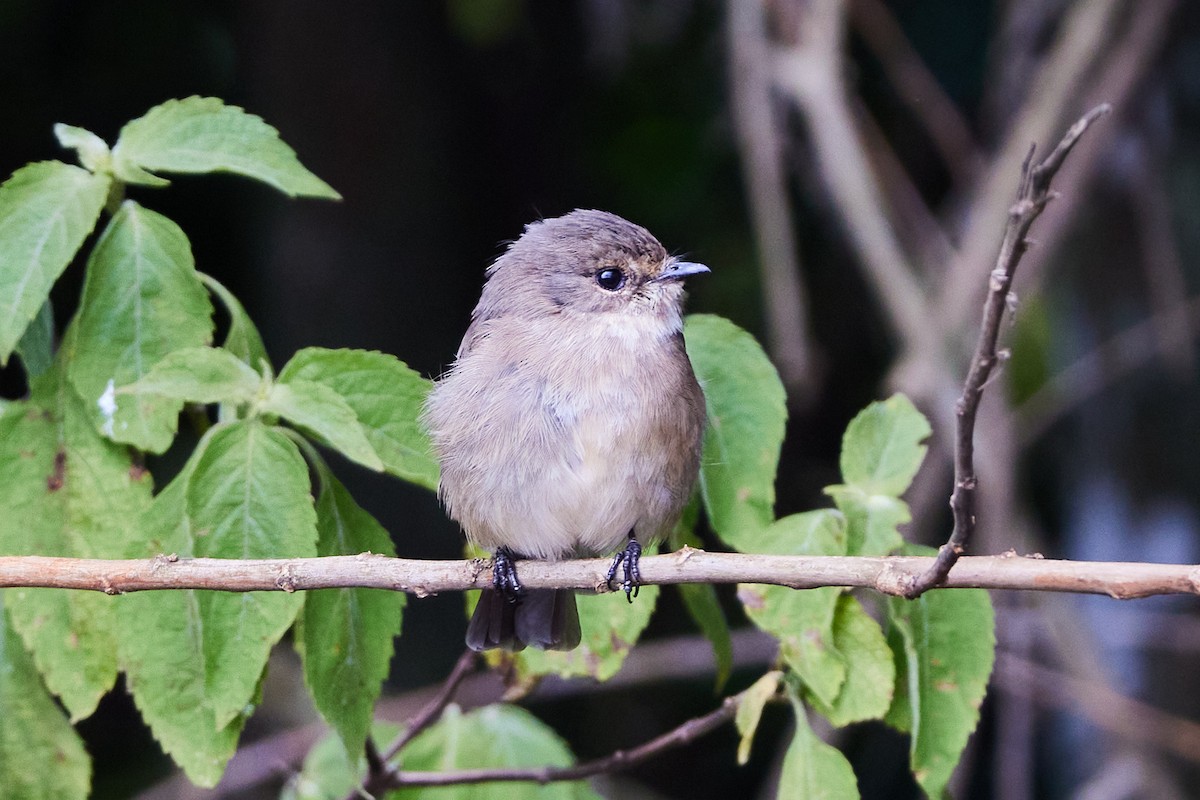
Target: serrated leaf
93	152
388	399
746	416
36	348
243	339
610	626
947	645
66	491
248	497
749	711
41	755
166	672
47	209
870	669
812	769
345	636
243	494
801	620
882	448
872	521
202	134
317	409
141	301
199	375
492	736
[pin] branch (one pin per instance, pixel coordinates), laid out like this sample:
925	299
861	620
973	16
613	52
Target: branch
917	88
760	147
1082	35
381	775
1102	706
1032	197
686	733
893	575
810	73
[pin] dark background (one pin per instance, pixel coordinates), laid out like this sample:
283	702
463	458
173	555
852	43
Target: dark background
447	126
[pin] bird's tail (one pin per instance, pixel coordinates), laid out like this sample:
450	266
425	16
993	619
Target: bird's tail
543	618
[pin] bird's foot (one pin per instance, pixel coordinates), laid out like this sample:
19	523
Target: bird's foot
504	575
627	560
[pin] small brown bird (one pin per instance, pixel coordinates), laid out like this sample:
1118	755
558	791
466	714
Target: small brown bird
571	422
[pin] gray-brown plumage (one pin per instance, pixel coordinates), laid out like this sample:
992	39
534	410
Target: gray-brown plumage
571	421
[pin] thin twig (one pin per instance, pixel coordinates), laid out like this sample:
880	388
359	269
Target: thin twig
810	72
380	773
1101	705
686	733
918	88
892	575
757	123
1032	197
1082	34
1092	372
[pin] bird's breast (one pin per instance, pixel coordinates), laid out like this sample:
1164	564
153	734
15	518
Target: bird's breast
568	434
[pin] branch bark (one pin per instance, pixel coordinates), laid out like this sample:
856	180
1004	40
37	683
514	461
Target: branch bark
619	760
1032	197
893	575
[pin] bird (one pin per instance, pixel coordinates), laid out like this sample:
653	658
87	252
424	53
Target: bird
571	422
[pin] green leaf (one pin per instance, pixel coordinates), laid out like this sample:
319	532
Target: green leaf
66	491
321	411
704	607
166	672
610	626
870	669
93	152
242	339
46	211
202	134
882	450
199	375
345	636
41	755
872	520
749	711
802	620
946	647
388	399
492	736
36	347
328	772
243	494
813	770
141	301
746	417
700	599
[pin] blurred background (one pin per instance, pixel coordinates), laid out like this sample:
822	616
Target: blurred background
845	168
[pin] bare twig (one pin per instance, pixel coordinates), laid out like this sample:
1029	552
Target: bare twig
1084	30
893	575
810	72
380	773
686	733
1032	197
1128	61
917	88
1092	372
760	146
1101	705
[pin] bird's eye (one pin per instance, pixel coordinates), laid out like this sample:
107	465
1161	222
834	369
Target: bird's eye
610	279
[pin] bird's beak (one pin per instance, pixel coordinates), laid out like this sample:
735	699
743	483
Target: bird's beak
678	270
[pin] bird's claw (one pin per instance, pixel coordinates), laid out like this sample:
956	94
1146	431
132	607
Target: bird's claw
504	575
627	560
